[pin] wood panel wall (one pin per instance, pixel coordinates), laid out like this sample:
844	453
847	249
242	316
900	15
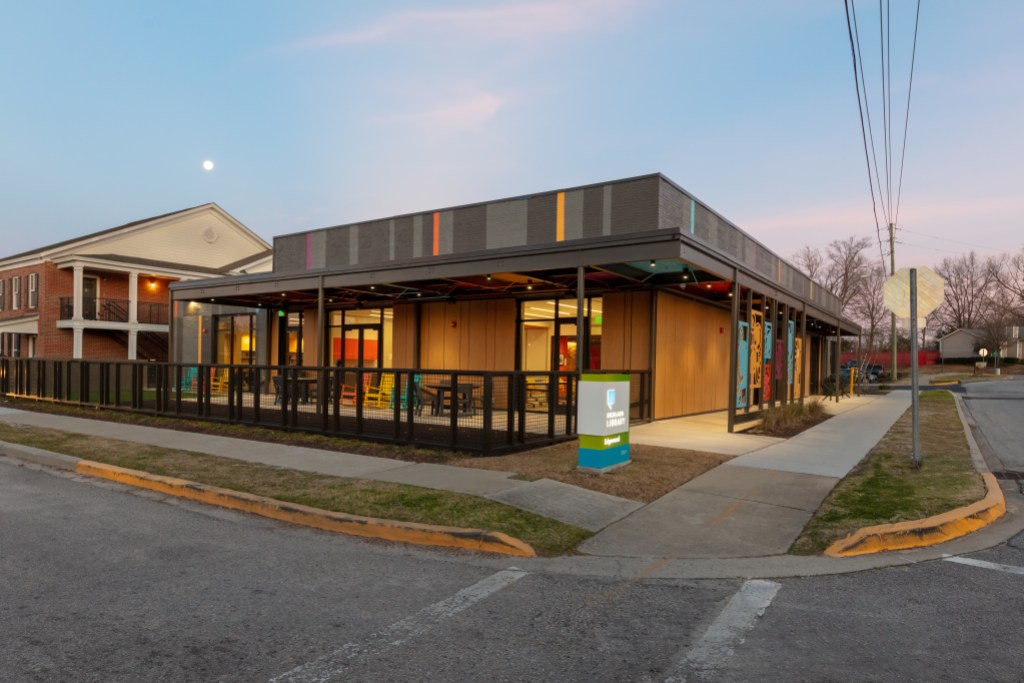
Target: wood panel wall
403	336
468	335
626	331
691	357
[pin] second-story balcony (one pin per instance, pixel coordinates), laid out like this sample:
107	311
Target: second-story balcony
113	310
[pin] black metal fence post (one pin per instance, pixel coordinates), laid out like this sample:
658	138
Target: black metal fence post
488	412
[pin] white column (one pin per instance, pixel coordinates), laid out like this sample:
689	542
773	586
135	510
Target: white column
76	350
133	343
133	297
79	287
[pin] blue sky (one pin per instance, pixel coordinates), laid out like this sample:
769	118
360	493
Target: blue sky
320	113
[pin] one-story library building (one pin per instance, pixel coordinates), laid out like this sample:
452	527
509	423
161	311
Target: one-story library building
631	275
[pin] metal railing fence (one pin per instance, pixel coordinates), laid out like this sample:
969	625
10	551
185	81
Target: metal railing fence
481	412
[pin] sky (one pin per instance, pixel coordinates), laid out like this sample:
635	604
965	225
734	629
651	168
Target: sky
324	113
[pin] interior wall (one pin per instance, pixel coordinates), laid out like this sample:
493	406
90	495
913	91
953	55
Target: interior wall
691	357
468	335
626	331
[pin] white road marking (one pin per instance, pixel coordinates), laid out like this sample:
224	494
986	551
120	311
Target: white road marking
726	632
331	666
1008	568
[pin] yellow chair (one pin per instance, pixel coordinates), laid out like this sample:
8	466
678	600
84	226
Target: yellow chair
219	382
379	396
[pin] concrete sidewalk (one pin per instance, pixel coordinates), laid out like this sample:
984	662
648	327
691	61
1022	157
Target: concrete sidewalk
752	506
588	509
758	503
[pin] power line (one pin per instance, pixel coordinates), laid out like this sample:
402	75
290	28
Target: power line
866	112
922	246
910	87
863	134
946	239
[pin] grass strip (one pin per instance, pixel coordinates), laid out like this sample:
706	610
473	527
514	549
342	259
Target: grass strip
353	496
886	488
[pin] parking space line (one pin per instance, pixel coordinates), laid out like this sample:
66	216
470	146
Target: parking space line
719	641
331	666
1008	568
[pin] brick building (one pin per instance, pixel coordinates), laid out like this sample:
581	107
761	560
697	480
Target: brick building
105	295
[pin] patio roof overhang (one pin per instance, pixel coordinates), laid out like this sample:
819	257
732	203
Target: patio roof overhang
652	259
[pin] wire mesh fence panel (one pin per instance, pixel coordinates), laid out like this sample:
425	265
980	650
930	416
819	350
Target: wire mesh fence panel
474	411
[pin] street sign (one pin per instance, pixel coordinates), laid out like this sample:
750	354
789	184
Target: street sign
930	292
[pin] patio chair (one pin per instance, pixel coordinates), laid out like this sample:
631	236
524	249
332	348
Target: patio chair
218	382
379	396
419	396
347	397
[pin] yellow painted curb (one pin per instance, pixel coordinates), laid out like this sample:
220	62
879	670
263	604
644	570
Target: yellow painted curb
354	525
924	532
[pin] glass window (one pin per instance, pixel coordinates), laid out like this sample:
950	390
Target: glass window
33	290
15	293
551	342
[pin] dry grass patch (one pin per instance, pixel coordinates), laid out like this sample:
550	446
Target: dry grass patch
791	419
653	472
885	487
353	496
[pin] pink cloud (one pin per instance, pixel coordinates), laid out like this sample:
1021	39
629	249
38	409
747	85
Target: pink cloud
465	113
520	22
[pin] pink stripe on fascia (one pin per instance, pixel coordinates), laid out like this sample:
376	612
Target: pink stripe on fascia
309	251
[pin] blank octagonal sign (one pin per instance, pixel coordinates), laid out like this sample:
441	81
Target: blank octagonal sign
930	292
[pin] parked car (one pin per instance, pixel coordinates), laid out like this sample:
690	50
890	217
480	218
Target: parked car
874	372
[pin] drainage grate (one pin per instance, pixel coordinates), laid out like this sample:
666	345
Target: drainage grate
1009	476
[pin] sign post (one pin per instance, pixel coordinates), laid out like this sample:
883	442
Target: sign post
602	421
909	293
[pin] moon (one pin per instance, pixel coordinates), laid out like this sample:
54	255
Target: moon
208	165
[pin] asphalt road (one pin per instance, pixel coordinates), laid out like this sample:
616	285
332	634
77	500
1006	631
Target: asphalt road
105	583
998	410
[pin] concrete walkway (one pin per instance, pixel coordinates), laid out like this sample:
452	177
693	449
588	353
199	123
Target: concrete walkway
751	506
758	503
588	509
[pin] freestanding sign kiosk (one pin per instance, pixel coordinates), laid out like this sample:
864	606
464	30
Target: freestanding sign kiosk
603	421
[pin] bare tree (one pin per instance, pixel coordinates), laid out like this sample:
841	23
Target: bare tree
968	291
868	308
841	269
811	262
847	266
1007	272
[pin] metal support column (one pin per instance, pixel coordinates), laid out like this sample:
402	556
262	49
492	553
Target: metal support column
733	352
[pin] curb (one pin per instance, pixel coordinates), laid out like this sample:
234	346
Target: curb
938	528
304	515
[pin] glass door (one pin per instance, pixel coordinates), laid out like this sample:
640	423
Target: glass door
361	346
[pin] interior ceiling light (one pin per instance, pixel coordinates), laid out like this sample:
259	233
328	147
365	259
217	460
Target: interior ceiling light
686	276
709	285
488	278
654	264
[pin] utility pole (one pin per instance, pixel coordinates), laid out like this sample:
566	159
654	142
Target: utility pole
892	271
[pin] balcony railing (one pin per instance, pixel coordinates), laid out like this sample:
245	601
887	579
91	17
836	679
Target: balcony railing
113	310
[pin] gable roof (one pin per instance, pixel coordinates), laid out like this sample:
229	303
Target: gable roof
965	330
247	244
100	233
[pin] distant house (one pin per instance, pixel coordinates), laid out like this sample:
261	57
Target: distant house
964	343
104	295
